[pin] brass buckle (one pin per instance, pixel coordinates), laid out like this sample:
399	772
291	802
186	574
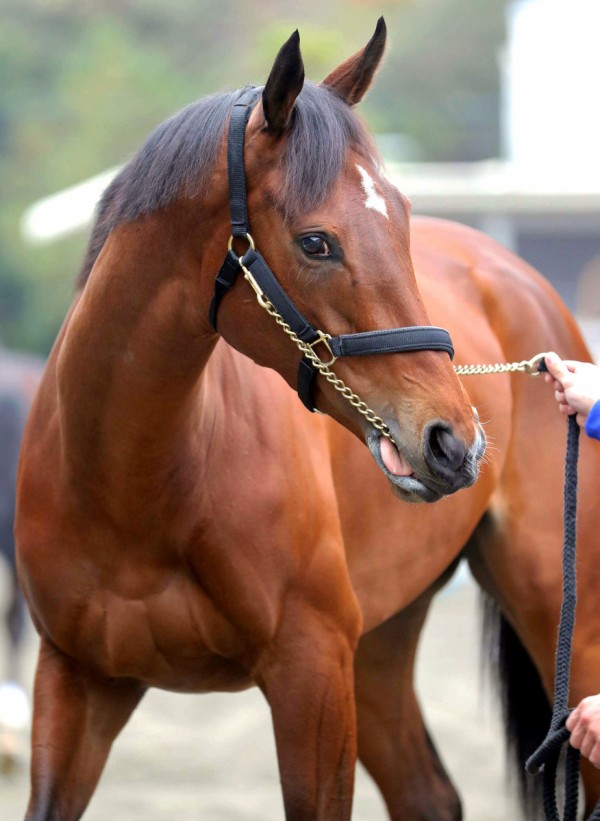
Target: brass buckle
324	339
531	367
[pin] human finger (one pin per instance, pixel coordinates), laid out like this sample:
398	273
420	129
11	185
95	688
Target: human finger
571	365
573	718
594	755
556	366
578	731
588	743
552	381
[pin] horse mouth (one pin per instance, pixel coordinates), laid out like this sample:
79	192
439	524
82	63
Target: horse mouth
398	470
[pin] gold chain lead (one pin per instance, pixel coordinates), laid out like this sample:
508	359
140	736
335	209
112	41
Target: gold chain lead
528	366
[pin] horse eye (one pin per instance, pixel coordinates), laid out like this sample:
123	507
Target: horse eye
315	246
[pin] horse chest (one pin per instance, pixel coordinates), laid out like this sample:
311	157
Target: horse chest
126	614
172	637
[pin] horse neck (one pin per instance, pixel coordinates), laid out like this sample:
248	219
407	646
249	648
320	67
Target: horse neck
132	358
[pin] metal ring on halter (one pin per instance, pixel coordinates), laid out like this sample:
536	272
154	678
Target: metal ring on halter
324	338
250	244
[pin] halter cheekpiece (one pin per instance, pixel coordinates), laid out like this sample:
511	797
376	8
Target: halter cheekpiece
394	340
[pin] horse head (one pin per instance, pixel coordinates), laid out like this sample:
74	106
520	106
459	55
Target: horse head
336	234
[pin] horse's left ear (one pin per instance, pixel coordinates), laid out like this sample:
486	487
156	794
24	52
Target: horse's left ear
283	86
351	79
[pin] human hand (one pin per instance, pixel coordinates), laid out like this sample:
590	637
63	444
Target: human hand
584	726
576	385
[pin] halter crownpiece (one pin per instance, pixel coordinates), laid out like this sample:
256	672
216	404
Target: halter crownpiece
274	299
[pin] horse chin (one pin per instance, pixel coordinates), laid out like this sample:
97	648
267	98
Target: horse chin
409	488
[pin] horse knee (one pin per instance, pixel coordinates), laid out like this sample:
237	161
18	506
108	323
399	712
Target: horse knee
307	677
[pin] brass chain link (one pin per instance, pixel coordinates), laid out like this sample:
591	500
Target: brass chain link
474	370
526	366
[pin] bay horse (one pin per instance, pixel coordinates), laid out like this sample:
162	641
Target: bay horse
184	522
20	374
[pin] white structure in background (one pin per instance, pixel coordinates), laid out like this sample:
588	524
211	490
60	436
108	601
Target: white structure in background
68	212
551	76
545	190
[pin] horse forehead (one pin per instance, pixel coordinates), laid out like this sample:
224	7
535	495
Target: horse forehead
374	199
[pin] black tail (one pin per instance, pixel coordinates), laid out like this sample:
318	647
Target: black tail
525	707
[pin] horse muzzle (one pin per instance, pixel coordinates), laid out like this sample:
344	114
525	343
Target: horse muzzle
444	466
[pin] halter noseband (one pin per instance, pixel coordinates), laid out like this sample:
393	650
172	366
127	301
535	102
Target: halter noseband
394	340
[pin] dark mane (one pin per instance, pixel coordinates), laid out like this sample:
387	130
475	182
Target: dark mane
179	155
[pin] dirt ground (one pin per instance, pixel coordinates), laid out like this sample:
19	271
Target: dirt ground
213	757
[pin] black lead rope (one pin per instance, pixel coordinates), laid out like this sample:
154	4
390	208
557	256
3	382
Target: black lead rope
546	758
394	340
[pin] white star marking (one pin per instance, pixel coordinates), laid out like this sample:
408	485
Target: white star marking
374	200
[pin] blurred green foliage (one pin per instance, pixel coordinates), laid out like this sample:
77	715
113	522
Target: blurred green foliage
84	81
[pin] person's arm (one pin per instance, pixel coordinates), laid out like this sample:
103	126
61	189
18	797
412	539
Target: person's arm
584	726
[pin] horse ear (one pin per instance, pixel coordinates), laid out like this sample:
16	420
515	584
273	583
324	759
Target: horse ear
283	86
352	78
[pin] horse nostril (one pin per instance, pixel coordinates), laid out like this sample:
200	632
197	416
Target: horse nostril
446	450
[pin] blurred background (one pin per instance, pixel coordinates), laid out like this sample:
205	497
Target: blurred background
485	111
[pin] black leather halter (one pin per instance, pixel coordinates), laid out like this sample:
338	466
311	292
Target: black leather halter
395	340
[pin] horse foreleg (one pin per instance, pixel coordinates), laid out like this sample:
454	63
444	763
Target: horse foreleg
76	717
307	678
393	742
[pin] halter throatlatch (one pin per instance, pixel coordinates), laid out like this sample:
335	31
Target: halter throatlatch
270	293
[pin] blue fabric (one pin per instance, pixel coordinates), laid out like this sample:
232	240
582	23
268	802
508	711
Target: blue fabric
592	425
